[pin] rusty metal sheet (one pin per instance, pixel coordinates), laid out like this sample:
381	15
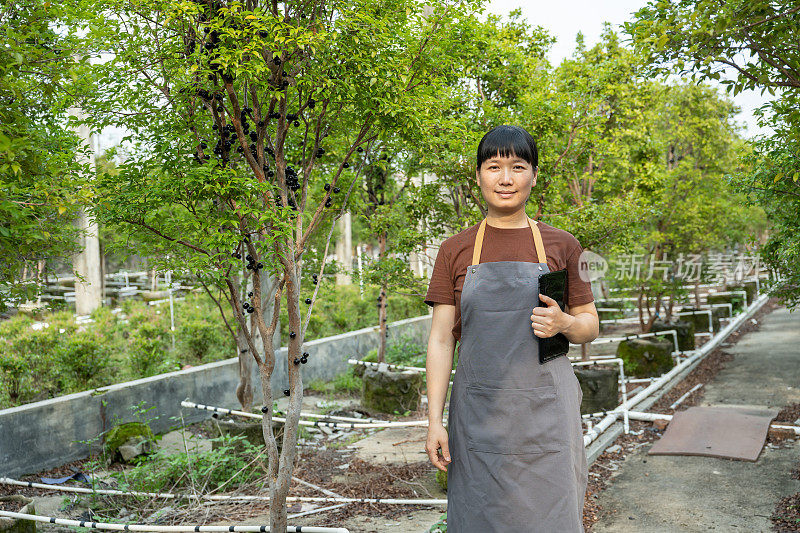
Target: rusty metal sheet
726	432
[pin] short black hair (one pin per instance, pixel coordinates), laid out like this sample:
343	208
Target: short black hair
507	141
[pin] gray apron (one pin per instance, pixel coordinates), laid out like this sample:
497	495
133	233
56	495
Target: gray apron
518	463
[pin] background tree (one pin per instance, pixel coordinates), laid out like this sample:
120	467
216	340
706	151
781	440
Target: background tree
40	178
391	212
756	42
694	146
246	121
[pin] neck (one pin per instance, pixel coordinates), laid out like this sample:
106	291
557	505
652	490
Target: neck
518	219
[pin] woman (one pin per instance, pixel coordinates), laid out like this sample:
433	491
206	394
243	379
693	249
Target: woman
514	456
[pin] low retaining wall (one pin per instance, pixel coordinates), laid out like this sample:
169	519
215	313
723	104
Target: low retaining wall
46	434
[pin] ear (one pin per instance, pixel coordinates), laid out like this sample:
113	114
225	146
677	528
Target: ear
535	175
478	177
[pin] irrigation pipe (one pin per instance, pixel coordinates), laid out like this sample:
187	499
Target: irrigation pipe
317	487
730	293
608	340
167	529
317	510
390	366
680	400
728	305
219	497
640	380
704	350
339	418
701	312
315	423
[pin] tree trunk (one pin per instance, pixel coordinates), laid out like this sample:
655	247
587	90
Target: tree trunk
244	391
268	290
382	304
670	305
281	477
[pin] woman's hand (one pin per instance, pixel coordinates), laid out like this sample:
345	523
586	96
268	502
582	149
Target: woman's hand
547	321
437	437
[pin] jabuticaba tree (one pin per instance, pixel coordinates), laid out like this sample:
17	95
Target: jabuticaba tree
248	125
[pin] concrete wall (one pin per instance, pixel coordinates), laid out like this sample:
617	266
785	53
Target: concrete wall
49	433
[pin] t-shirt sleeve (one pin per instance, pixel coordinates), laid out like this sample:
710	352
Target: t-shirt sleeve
440	288
579	292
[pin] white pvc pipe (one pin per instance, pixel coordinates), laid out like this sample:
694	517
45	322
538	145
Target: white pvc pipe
340	418
218	497
609	340
730	293
346	425
680	400
728	305
317	487
390	366
318	510
640	380
701	312
167	529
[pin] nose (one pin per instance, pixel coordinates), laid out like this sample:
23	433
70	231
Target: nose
506	177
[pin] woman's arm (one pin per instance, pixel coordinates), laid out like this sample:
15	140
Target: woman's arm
584	325
580	325
439	364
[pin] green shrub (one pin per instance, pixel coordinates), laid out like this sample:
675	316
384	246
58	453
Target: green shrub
33	351
403	351
68	357
339	309
147	351
14	376
169	472
83	360
347	382
203	341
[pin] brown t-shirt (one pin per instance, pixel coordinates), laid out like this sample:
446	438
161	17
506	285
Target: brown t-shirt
504	244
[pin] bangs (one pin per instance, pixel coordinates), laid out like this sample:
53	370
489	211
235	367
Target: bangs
508	141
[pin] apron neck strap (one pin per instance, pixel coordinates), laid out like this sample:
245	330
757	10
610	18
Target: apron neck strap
537	241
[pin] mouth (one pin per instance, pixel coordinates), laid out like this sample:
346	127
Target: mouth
505	194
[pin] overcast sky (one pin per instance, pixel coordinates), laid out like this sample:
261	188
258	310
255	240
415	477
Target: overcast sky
565	18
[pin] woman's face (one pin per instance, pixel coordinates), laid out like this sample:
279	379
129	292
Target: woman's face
506	183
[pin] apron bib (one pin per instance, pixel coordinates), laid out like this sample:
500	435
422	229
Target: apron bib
515	436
